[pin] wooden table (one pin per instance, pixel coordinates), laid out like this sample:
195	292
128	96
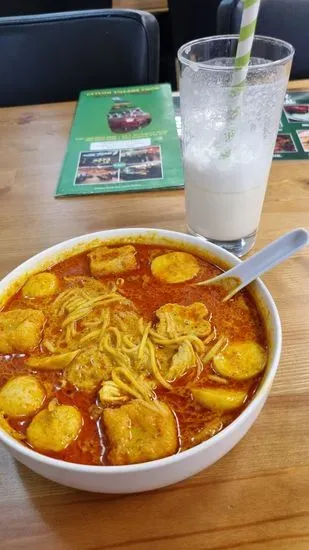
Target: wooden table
154	6
255	498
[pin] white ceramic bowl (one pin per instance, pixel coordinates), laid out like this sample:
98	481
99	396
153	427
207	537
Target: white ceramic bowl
159	473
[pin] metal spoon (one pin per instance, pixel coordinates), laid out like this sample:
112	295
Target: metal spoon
244	273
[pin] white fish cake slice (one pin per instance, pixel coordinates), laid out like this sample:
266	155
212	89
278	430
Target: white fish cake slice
54	430
219	398
241	360
175	267
41	285
21	396
111	261
51	362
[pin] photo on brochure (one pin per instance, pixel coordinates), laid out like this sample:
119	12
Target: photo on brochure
303	136
113	166
297	113
285	144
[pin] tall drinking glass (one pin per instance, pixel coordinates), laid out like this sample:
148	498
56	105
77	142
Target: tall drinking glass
229	135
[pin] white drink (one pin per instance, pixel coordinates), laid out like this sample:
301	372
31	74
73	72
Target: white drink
228	137
224	197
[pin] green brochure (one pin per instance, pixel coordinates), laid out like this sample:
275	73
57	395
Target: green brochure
122	139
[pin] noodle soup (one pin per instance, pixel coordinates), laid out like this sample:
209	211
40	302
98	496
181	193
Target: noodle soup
114	356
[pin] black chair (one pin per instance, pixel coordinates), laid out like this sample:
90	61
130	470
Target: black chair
192	19
52	57
285	19
32	7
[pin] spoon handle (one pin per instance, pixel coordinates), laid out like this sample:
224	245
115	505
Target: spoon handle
264	260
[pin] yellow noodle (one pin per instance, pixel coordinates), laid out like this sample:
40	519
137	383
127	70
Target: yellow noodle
164	340
154	406
199	368
215	349
211	337
63	296
143	342
130	351
141	325
128	342
49	346
117	334
106	322
161	340
91	324
155	369
76	316
68	336
76	305
98	299
73	329
119	357
142	387
107	345
197	342
137	388
121	323
215	378
105	301
131	390
69	296
77	278
73	303
90	336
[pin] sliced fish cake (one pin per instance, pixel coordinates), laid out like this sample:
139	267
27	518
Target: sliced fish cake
241	360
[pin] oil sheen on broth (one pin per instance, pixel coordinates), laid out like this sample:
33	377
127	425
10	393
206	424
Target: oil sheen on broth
114	356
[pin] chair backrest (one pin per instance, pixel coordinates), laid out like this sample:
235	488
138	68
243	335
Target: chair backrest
285	19
52	57
31	7
192	19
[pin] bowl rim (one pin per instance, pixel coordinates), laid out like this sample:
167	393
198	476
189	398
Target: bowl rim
259	396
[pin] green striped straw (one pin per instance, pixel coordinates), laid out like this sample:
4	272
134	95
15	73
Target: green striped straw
246	36
243	54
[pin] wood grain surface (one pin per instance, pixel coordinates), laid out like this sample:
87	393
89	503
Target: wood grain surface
255	498
147	5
